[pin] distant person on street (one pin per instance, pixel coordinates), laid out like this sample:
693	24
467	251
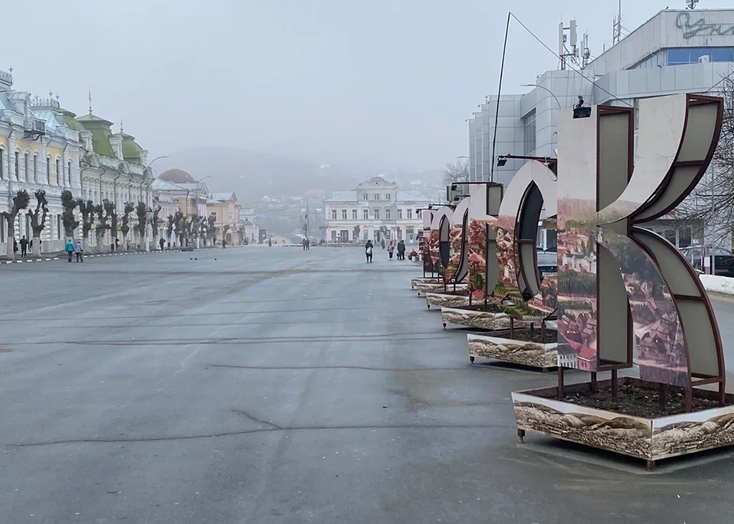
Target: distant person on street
69	248
15	245
117	243
270	242
224	243
383	244
368	247
23	246
390	249
303	243
308	244
79	249
401	250
162	243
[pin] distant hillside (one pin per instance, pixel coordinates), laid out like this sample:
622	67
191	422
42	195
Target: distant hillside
251	174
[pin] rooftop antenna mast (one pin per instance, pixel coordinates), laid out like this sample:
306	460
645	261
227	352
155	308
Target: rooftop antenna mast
617	29
566	53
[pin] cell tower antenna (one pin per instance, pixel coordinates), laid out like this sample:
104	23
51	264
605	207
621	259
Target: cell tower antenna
617	29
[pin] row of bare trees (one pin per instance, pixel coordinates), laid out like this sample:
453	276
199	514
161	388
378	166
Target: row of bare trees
104	214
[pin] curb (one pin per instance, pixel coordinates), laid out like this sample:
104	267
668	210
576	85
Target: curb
63	257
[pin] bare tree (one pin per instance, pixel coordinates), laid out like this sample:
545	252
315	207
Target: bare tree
169	229
125	229
456	173
178	227
87	210
111	212
211	229
141	210
154	223
20	201
68	217
711	204
102	224
225	229
38	220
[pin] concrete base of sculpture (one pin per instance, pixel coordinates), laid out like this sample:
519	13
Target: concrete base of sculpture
437	287
650	439
474	318
423	280
460	298
503	348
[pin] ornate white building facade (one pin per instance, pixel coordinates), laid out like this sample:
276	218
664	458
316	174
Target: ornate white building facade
38	150
375	210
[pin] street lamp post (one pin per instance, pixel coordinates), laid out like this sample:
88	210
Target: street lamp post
545	89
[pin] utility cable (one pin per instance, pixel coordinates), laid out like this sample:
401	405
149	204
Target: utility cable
499	98
559	58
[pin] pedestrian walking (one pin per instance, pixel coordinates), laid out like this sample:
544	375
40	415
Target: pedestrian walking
303	243
382	243
15	246
79	250
69	248
390	249
308	244
162	243
23	246
224	243
368	247
117	244
401	250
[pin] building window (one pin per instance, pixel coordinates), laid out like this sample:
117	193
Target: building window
58	170
400	214
35	168
58	227
366	214
366	235
528	132
344	214
333	215
410	214
214	214
68	172
354	214
377	196
377	214
48	170
417	213
365	196
26	165
333	235
2	163
17	165
387	196
388	213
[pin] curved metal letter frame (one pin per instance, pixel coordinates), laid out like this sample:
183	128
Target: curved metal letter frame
485	200
531	189
452	244
618	280
427	215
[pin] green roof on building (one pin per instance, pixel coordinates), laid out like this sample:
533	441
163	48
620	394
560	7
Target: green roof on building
130	148
100	129
69	120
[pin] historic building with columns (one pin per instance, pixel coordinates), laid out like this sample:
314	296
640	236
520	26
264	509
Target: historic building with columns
375	210
38	150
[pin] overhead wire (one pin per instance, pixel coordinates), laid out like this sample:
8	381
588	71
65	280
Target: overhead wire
499	98
578	72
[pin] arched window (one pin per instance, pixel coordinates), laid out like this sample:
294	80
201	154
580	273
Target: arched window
26	165
68	172
2	163
17	165
58	171
48	170
35	168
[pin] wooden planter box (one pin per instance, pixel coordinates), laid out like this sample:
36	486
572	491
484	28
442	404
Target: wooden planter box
445	299
475	318
650	439
501	347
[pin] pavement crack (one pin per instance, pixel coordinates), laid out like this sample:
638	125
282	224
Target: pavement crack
252	431
363	368
255	419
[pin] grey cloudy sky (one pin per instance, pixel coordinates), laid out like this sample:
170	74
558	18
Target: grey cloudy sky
381	83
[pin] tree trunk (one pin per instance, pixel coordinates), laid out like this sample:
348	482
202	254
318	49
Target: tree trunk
85	243
9	241
36	251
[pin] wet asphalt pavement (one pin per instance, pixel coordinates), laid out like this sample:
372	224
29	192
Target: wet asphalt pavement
272	385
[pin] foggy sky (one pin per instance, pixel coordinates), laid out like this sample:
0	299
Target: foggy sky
384	83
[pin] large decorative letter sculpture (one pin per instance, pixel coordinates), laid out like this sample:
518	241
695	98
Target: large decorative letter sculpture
617	280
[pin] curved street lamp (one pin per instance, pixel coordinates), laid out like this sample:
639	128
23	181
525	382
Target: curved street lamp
544	89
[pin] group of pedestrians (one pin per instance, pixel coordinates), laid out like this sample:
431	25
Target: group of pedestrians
77	248
369	247
24	244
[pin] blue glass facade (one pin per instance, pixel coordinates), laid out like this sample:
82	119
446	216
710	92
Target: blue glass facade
692	55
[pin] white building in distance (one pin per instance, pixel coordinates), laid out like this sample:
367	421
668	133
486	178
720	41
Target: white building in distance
375	210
